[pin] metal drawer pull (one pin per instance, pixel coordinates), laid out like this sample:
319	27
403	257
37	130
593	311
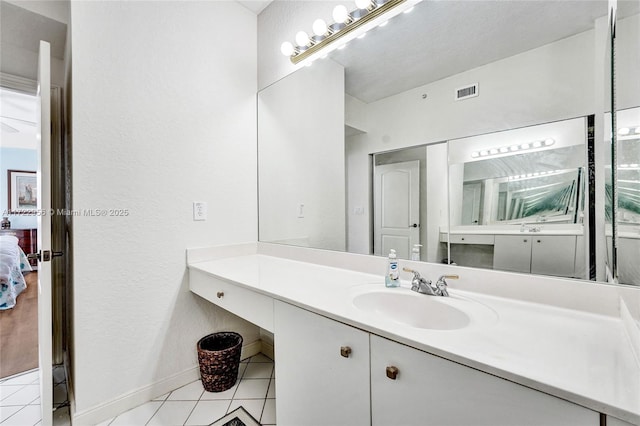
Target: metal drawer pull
392	372
220	294
345	351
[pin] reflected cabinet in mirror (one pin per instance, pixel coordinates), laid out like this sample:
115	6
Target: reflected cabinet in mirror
380	146
516	199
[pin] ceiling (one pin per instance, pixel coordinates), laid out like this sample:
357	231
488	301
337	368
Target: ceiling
256	6
17	120
443	38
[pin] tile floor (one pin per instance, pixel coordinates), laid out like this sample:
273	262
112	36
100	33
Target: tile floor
192	405
188	405
20	399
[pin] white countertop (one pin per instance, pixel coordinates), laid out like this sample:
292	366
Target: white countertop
541	229
581	357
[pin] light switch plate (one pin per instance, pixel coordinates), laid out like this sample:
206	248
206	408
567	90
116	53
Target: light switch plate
199	210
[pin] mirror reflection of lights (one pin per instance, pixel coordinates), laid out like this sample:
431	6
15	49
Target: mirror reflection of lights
513	148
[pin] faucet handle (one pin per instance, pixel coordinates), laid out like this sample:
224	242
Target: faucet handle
441	284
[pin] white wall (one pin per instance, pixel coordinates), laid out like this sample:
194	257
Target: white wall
301	158
164	114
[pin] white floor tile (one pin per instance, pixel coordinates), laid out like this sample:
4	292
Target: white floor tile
23	379
207	412
162	397
241	368
258	370
172	413
61	417
228	394
252	388
260	358
58	374
8	390
191	392
269	413
6	412
272	389
59	393
22	397
137	416
253	406
28	416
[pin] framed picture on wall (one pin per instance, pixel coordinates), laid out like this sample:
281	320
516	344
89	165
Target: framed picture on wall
23	191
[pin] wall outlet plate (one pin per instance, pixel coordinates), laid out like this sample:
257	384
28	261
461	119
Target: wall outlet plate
199	210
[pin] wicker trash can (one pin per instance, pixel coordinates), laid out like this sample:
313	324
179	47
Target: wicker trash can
219	359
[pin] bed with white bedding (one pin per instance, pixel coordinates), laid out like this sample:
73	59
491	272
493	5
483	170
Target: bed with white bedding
13	263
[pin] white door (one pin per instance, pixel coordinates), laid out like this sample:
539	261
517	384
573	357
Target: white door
396	208
471	200
44	233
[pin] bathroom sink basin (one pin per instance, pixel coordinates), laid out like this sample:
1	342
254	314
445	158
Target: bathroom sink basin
421	311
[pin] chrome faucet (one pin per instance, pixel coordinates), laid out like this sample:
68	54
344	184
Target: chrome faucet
441	284
423	286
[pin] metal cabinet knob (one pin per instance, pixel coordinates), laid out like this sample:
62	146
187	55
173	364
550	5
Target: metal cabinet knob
220	294
392	372
525	240
345	351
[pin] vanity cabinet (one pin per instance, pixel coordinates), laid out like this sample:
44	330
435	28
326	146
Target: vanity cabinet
322	370
536	254
429	390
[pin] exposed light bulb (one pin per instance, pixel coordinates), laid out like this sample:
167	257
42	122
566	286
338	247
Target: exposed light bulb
319	27
484	152
624	131
475	154
524	146
549	142
287	48
514	148
537	144
637	131
302	38
504	149
363	4
340	14
493	151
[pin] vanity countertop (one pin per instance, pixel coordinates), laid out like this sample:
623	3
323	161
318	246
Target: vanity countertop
582	357
542	229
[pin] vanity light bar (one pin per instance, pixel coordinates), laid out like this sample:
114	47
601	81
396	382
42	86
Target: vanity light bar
513	148
347	26
537	174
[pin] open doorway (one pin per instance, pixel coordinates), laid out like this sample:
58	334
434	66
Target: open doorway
18	189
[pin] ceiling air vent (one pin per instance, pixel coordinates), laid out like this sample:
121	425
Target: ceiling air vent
465	92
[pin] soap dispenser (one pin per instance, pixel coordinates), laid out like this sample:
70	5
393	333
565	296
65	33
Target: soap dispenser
415	252
392	278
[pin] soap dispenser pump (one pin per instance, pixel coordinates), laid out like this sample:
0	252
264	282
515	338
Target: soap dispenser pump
415	252
392	278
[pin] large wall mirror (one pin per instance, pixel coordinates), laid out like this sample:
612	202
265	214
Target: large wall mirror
376	146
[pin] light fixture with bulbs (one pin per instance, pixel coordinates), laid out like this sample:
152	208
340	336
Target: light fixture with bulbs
543	143
629	132
368	14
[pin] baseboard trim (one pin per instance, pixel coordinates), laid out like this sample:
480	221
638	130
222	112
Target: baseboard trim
251	349
107	410
267	349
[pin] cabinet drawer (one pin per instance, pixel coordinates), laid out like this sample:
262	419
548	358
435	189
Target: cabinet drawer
250	305
472	239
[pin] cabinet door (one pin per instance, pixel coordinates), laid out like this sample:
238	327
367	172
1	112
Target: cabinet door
429	390
316	382
553	255
512	253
